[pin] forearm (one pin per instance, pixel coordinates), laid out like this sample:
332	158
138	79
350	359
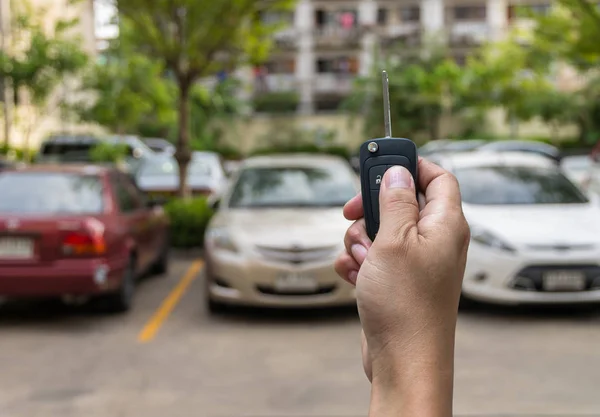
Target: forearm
416	382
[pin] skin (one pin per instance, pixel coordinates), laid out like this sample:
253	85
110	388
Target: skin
408	284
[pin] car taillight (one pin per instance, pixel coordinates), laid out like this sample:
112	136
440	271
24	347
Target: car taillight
82	243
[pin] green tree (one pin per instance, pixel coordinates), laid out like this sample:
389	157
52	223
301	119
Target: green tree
569	32
422	88
38	60
129	92
506	74
212	112
195	39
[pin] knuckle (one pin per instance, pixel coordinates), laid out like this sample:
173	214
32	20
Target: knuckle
354	233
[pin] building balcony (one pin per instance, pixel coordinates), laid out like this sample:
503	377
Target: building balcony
468	34
333	83
407	34
286	39
335	37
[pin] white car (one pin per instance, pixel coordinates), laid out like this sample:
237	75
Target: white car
582	170
277	231
535	235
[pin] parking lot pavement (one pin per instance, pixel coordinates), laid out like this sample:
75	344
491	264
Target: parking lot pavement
67	362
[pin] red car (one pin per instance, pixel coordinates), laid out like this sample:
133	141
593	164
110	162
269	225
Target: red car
77	231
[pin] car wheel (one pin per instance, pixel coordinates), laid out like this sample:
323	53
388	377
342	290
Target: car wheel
215	307
122	300
161	266
466	303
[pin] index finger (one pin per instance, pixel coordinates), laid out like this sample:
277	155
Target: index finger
443	208
353	210
439	186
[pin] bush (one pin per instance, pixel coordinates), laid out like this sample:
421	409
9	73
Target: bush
277	102
303	148
108	152
189	219
13	152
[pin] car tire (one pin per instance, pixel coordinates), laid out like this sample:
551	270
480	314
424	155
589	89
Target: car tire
161	265
121	301
466	304
215	307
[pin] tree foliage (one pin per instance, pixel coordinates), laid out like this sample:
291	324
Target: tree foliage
39	58
421	89
126	91
195	39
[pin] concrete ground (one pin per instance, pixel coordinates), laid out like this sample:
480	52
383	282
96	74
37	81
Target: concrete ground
170	358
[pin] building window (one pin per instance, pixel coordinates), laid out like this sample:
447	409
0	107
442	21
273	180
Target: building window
382	16
469	12
516	11
272	17
337	65
410	14
281	66
343	19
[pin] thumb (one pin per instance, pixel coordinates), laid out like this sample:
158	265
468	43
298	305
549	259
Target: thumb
398	206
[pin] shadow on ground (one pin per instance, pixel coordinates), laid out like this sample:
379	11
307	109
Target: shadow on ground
55	312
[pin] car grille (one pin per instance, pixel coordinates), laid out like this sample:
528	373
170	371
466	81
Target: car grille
297	255
269	290
534	276
561	248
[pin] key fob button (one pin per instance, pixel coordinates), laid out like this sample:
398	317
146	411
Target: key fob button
401	161
375	205
376	176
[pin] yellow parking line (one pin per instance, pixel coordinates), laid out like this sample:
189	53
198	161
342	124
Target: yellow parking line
168	305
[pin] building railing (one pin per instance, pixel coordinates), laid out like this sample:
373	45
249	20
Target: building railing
337	36
323	83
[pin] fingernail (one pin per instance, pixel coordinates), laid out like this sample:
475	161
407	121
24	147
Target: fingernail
399	177
359	252
352	276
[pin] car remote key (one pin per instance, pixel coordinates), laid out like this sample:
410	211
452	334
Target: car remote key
378	155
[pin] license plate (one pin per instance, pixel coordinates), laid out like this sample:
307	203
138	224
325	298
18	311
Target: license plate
16	248
564	281
296	281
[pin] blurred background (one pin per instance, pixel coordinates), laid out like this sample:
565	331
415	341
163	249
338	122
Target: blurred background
172	175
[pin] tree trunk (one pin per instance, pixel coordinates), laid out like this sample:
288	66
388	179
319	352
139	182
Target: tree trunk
514	127
183	152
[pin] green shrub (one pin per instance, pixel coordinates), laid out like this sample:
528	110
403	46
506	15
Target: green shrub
108	152
189	219
277	102
303	148
13	152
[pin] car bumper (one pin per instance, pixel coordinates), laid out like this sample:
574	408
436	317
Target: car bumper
64	277
491	274
251	281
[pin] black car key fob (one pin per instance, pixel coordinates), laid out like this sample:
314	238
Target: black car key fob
376	157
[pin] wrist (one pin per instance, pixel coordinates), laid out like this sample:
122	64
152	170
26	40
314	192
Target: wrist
414	381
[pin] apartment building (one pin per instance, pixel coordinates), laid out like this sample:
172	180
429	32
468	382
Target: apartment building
329	42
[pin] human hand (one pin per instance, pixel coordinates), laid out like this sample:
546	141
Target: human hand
408	284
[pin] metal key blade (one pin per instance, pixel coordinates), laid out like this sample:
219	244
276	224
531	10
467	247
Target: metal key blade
387	116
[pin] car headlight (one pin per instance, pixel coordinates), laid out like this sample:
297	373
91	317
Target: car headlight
221	239
487	238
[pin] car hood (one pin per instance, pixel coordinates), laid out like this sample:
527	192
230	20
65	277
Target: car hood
286	227
577	224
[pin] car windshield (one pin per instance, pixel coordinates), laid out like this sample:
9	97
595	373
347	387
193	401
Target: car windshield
50	193
516	185
292	187
168	166
466	145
